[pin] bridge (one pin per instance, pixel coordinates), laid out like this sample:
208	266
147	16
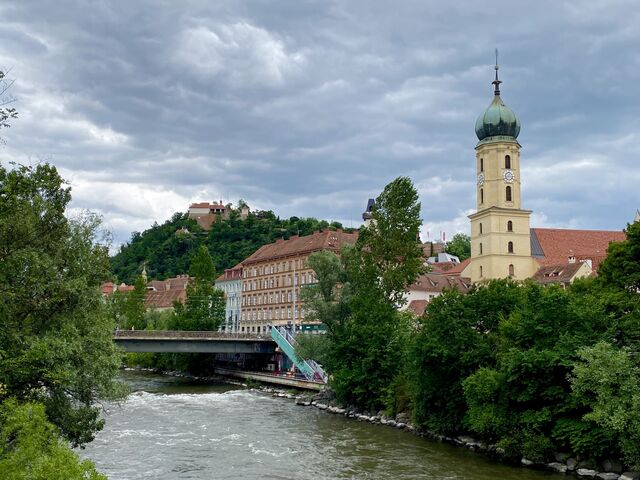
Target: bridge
172	341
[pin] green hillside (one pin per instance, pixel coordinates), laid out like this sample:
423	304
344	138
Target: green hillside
166	249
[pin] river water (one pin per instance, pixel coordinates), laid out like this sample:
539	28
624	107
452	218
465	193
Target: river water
171	428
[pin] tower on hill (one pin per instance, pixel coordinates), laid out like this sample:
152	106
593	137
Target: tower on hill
500	237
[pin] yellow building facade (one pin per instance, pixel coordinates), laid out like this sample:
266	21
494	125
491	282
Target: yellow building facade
500	233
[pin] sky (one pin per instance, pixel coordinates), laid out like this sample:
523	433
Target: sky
310	108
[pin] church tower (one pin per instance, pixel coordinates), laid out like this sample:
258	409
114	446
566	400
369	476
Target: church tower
500	237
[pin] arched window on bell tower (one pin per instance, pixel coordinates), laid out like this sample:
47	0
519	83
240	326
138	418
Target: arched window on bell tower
480	228
509	226
510	247
507	161
511	270
482	195
480	270
508	194
481	249
482	164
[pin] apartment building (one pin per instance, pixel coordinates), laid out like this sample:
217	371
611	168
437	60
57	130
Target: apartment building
230	282
272	278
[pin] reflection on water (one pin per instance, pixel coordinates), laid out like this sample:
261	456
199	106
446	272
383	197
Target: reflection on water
172	428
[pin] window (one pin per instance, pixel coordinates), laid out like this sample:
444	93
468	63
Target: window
511	270
508	194
481	249
510	247
482	195
509	226
507	162
481	229
480	270
482	164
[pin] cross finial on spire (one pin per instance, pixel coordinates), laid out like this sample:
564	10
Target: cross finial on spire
496	82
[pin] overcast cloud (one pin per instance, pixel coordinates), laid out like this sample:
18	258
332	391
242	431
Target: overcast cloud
309	108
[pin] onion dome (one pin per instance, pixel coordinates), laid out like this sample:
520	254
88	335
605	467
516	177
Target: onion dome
498	119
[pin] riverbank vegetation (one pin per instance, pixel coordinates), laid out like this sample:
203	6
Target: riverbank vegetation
530	369
57	357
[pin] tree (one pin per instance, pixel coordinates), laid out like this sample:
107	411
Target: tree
621	268
6	113
31	449
56	343
204	308
128	307
387	248
460	246
608	379
356	297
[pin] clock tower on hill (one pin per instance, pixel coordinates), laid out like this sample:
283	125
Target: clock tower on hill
500	236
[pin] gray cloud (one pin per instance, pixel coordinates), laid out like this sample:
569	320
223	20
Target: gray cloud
309	108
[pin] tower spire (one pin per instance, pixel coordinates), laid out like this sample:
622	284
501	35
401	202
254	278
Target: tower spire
496	82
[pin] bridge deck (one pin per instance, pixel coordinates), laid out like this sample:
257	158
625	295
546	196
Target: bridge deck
191	342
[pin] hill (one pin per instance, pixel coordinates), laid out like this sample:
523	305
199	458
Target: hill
166	249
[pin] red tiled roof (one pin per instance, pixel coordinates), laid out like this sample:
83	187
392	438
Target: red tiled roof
436	283
457	270
107	288
325	240
176	283
164	298
557	273
231	274
417	306
207	205
557	244
442	267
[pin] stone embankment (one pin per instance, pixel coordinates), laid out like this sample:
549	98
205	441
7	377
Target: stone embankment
564	464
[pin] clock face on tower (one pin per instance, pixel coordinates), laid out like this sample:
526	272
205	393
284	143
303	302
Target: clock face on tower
509	176
480	179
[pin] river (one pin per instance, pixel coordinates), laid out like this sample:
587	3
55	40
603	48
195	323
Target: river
171	428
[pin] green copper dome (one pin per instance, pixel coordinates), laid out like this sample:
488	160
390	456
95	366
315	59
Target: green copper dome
498	119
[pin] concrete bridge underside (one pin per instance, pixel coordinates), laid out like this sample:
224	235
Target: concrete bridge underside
191	342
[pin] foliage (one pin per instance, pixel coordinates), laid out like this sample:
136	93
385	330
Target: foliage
6	113
55	330
128	308
327	299
460	246
608	378
167	249
205	305
356	297
457	336
312	347
389	256
621	268
30	448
